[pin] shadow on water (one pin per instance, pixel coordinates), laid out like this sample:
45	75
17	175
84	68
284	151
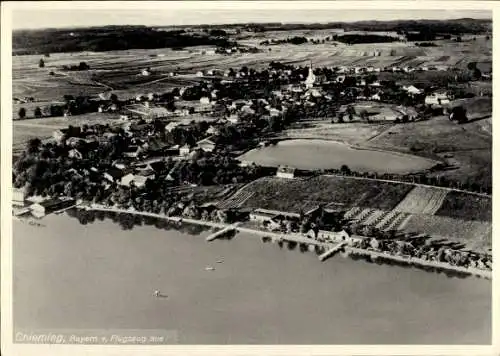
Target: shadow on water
129	221
407	264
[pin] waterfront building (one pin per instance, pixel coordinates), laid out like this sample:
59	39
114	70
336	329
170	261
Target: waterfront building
19	196
40	209
261	215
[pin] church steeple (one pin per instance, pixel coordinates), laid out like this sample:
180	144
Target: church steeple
311	78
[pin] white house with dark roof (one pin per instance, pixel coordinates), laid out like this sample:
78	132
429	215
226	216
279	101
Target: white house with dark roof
437	98
185	150
411	89
285	172
134	179
206	145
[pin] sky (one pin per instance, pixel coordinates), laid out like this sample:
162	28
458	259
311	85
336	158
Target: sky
77	14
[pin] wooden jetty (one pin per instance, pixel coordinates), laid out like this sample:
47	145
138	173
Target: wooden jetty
332	251
222	232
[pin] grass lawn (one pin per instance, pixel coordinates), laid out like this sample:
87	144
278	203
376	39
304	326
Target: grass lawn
474	234
466	206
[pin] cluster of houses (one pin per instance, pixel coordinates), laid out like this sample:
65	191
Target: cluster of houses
143	147
278	221
309	87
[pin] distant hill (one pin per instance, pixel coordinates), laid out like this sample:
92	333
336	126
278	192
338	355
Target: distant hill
108	38
453	27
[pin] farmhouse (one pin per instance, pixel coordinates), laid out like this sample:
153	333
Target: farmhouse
285	172
206	145
437	98
412	90
132	179
147	111
185	150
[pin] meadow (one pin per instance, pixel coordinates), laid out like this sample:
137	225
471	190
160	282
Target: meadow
466	207
474	234
301	194
466	148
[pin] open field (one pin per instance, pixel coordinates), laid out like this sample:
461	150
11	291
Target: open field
435	135
466	207
22	134
357	194
466	147
321	154
24	130
30	108
395	53
439	213
422	200
294	195
122	68
349	133
472	233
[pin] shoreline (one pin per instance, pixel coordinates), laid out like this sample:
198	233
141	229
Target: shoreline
372	254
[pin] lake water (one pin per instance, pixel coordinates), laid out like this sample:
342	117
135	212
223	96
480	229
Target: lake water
322	154
68	275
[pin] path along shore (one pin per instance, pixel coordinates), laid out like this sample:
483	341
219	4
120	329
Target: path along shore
299	239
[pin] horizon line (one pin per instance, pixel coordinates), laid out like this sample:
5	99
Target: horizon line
248	23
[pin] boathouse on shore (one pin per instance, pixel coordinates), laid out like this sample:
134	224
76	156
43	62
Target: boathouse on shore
39	210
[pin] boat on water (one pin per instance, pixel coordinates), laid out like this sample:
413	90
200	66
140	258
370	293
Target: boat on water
209	268
219	261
